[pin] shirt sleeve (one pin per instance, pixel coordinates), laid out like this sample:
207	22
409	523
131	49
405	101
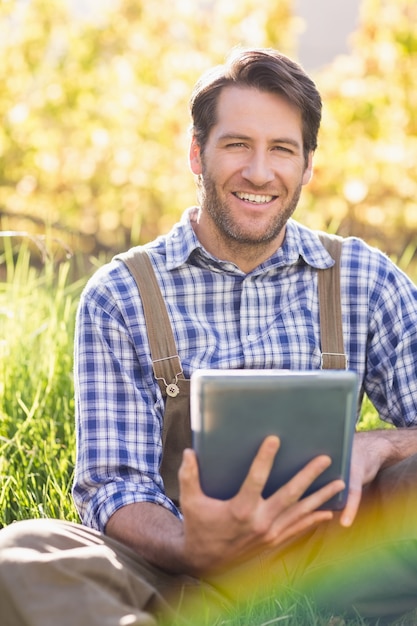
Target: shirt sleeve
391	363
119	407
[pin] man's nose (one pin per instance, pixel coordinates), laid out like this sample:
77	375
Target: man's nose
258	169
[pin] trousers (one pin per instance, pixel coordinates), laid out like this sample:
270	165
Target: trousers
56	572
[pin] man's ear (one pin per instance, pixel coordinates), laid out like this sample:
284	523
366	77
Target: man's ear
308	172
195	157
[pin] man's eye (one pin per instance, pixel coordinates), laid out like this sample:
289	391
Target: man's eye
283	149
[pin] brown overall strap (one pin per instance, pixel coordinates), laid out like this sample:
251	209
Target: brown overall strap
331	328
165	360
176	430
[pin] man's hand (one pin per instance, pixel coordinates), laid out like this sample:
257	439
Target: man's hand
218	533
372	451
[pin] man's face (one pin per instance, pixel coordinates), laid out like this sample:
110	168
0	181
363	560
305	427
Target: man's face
252	169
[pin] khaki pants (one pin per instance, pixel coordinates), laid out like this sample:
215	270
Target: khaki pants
55	573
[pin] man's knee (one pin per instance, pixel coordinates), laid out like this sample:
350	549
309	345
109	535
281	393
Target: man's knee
46	535
397	494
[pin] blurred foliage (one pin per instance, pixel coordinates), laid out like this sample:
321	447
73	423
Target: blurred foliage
94	142
365	177
93	145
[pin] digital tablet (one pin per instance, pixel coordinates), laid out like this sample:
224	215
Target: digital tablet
232	411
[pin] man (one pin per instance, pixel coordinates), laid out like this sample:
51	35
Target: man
239	279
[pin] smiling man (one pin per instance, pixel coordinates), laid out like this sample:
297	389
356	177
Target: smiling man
252	169
239	277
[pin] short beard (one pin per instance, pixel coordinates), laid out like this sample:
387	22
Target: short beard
227	228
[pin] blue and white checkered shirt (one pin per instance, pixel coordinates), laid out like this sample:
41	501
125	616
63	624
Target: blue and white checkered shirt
223	318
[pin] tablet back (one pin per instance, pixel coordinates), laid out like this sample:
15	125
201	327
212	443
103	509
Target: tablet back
232	411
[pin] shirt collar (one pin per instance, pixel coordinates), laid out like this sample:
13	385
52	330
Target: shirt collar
300	242
182	240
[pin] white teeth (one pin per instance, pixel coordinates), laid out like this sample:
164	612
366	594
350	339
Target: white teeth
251	197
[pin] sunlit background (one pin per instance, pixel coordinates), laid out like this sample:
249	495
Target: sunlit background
94	103
93	159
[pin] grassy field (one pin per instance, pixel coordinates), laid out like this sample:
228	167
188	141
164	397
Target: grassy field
37	309
37	445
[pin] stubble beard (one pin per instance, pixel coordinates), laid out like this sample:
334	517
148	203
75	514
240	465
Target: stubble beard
229	229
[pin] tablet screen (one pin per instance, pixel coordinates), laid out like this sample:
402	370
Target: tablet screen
232	411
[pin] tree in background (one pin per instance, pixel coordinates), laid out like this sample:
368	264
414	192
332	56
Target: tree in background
93	147
365	178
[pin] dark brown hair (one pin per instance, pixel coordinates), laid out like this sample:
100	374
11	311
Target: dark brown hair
264	69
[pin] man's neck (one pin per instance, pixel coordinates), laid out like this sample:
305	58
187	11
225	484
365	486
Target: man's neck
246	256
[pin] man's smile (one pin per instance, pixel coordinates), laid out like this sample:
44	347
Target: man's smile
254	198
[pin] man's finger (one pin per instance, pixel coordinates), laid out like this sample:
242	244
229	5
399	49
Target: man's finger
260	468
298	485
352	505
315	500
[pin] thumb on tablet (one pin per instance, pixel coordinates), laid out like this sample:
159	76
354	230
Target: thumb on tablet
188	474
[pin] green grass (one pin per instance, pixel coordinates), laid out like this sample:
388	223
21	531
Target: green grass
37	310
290	609
37	441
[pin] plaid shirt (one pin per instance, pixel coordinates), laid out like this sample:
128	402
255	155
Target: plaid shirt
223	318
